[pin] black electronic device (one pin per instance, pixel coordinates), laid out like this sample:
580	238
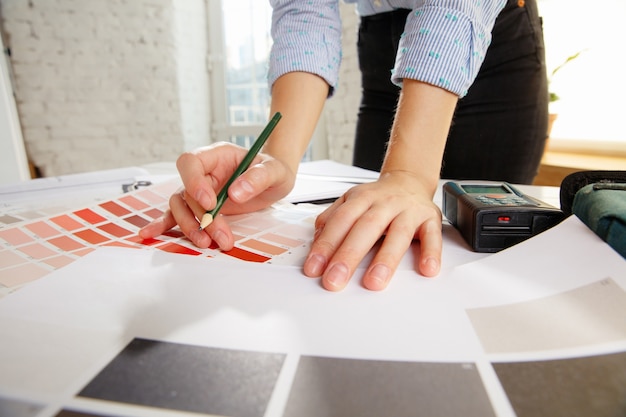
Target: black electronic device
492	216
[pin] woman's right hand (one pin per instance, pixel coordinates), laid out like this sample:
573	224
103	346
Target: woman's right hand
203	173
269	178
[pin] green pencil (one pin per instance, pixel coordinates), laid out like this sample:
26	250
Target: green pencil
208	217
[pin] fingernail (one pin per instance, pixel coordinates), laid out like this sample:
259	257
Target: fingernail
147	230
315	265
199	238
202	197
337	276
242	190
432	265
144	232
379	275
221	239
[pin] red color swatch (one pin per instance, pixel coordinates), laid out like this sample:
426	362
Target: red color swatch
244	255
90	216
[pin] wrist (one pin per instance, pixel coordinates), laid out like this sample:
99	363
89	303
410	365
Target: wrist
419	133
414	181
299	97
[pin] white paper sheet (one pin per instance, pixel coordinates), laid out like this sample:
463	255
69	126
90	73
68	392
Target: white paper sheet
60	331
560	296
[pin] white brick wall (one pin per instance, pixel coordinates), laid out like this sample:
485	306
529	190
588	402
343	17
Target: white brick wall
105	84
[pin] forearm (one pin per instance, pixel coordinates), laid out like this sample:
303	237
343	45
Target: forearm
299	97
419	133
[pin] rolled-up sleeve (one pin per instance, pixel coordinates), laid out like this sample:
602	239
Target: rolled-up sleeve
306	37
445	42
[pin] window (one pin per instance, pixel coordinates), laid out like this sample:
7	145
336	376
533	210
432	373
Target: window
240	41
591	87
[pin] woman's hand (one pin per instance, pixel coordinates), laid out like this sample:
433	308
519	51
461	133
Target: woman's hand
397	207
271	175
203	173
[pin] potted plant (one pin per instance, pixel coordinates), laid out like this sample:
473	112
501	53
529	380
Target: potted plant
553	97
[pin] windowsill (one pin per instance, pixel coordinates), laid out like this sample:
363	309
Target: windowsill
588	147
557	164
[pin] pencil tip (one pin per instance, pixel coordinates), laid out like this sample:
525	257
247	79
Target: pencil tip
207	219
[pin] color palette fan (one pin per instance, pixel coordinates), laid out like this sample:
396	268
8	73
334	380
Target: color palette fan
31	249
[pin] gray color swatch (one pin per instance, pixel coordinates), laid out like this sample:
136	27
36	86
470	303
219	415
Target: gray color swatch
554	322
189	378
18	408
586	386
325	387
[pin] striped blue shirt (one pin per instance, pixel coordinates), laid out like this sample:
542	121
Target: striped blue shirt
443	44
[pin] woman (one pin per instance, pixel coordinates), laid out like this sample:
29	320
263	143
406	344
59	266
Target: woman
499	127
439	54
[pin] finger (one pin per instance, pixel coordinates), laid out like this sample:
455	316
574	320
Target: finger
329	233
397	240
158	226
268	181
193	171
192	205
431	243
251	183
220	233
322	218
162	224
187	221
358	241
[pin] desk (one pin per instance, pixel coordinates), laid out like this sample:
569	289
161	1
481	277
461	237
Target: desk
145	332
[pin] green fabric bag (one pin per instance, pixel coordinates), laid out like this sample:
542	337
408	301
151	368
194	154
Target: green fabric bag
598	198
602	207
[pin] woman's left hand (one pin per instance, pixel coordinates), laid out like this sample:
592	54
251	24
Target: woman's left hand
396	206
